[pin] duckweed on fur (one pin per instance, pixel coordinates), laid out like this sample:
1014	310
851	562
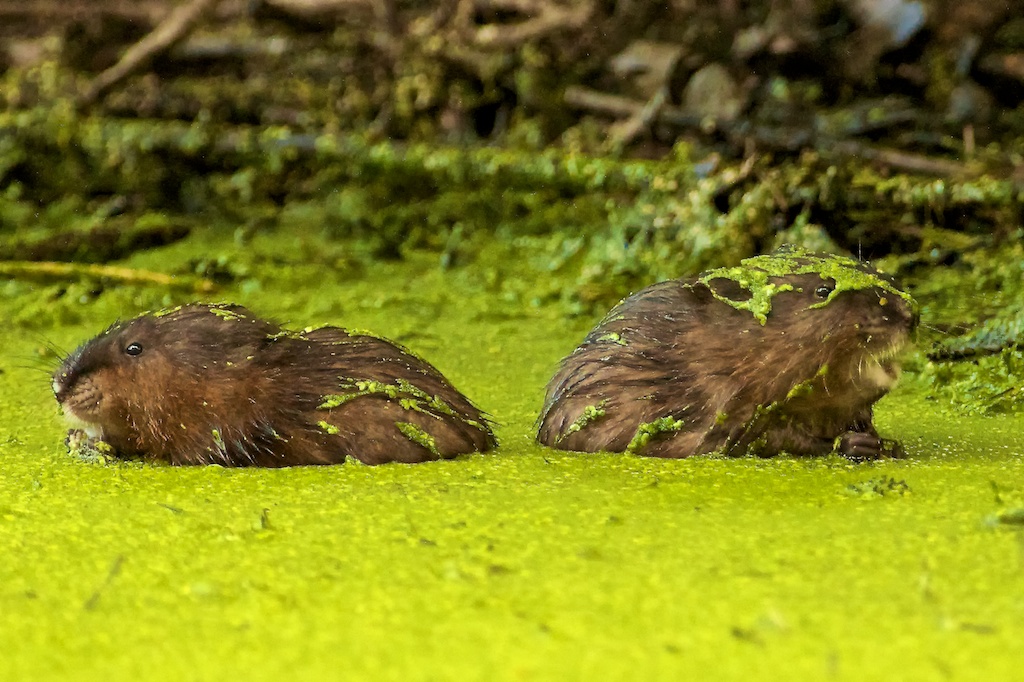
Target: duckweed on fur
755	275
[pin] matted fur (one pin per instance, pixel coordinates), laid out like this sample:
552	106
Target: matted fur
675	350
215	384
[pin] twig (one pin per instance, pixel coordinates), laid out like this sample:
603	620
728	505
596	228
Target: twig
167	33
121	275
778	139
624	132
142	10
904	161
319	11
549	18
622	107
99	244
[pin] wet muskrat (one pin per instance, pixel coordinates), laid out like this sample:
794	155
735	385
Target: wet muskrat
784	353
213	384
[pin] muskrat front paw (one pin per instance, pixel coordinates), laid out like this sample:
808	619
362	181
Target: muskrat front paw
860	446
86	448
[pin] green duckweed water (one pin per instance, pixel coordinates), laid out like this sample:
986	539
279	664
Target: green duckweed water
528	563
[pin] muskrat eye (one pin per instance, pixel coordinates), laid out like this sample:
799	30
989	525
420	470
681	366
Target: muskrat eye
823	291
133	348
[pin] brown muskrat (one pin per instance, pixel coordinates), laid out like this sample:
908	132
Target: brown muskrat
786	352
213	384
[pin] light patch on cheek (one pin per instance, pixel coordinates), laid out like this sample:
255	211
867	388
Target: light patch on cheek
881	375
91	429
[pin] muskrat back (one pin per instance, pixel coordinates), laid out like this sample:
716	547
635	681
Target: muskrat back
214	384
787	352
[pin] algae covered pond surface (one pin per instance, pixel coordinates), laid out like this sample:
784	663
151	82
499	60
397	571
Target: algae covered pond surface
527	563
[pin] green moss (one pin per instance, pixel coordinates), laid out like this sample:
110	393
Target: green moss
89	449
648	431
613	337
218	441
590	414
418	436
988	385
756	275
359	390
328	428
409	397
806	387
226	314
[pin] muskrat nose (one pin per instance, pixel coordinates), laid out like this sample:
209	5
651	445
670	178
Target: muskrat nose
61	387
909	315
901	312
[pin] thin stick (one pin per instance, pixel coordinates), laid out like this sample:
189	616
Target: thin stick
618	106
550	18
167	33
624	132
121	275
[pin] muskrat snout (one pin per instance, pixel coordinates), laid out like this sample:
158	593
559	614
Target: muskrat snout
62	385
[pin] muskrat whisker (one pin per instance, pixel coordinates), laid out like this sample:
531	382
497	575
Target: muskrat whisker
56	353
33	368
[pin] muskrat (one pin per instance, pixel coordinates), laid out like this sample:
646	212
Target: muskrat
214	384
785	353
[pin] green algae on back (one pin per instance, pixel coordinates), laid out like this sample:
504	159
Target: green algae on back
419	436
227	314
755	275
651	430
590	414
409	397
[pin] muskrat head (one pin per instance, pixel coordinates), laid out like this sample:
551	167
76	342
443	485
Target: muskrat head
843	315
857	334
114	383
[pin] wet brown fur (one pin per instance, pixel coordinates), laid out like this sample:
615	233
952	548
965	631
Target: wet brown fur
674	350
216	385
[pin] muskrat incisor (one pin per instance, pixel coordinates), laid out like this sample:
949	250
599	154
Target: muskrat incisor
787	352
213	384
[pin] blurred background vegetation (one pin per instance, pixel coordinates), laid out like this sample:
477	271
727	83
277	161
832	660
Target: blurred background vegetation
562	152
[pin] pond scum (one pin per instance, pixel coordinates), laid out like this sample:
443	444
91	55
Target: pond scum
526	563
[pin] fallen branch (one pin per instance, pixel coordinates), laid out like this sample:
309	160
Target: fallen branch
773	139
624	107
141	10
49	270
173	29
624	132
96	245
323	12
904	161
550	18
